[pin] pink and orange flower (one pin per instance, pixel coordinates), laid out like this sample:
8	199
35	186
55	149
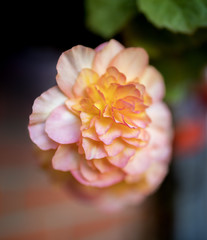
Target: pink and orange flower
106	121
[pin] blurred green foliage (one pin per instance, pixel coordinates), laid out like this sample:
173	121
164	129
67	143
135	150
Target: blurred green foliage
172	32
183	16
107	17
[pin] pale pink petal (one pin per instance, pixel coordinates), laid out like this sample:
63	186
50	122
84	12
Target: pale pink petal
159	147
156	174
45	104
70	65
103	165
121	159
104	180
161	153
42	107
160	115
87	172
63	126
93	149
66	158
158	136
105	55
154	83
101	46
131	62
40	138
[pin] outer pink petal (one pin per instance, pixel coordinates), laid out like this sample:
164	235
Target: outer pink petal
42	107
131	62
160	146
93	149
156	174
62	126
45	104
160	116
154	83
100	47
66	158
104	180
70	64
40	138
105	55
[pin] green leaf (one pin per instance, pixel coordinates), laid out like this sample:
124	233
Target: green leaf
183	16
107	17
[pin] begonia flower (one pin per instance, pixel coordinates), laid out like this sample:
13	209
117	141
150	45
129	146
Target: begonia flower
106	121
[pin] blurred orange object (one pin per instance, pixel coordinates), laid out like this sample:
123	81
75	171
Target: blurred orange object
189	136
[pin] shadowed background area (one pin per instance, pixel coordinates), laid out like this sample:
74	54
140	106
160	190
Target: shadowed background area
34	207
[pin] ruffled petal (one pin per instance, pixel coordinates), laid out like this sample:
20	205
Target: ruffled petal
131	62
66	158
105	55
102	125
138	163
63	126
103	165
121	159
90	133
70	65
154	83
110	135
87	172
42	107
115	147
85	78
93	149
104	180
